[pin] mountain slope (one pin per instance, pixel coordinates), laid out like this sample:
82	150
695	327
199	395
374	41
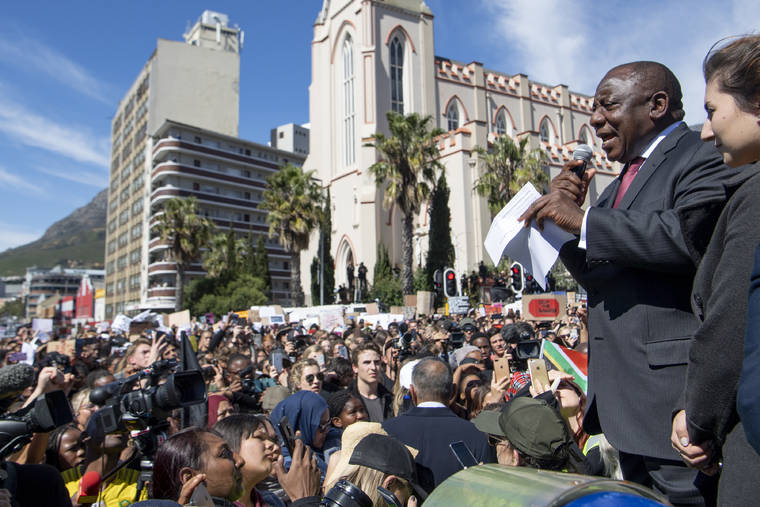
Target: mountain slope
75	241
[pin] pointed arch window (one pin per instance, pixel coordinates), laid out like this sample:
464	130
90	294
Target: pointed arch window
501	123
452	115
584	136
397	74
349	117
544	132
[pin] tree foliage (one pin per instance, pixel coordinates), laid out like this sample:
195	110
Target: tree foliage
226	254
325	229
207	295
407	166
293	201
13	308
440	254
187	233
386	287
509	166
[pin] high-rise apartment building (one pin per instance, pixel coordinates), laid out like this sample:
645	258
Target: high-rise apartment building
227	177
195	82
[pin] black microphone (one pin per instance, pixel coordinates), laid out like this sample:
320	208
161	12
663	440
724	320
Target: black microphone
15	378
582	152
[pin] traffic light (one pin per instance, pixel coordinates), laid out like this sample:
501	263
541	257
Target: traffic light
438	282
449	283
517	279
529	284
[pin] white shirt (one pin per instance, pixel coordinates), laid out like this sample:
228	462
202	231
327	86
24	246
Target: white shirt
645	155
431	404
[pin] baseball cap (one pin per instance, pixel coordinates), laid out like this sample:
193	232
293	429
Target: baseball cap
530	425
388	455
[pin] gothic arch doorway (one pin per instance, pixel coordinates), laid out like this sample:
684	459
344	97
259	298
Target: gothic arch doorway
345	262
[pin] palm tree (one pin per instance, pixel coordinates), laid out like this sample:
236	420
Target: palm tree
407	167
509	166
294	202
225	254
187	234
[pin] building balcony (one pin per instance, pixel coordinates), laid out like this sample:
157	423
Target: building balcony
170	268
161	292
168	145
204	173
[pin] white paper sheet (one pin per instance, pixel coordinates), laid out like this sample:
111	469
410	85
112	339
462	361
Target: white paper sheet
537	251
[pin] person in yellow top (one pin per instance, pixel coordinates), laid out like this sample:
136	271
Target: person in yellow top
118	491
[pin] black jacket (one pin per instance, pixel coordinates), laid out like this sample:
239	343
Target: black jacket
386	397
430	431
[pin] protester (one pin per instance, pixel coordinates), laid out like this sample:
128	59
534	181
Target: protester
194	456
527	432
377	400
431	426
707	430
630	256
345	409
308	414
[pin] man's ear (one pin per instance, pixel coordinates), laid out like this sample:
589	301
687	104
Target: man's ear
185	474
659	103
413	394
516	457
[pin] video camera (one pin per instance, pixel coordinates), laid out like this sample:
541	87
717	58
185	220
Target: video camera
253	386
143	409
404	341
46	413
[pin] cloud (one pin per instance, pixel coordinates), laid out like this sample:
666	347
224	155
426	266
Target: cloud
30	53
93	179
9	179
576	42
71	141
12	236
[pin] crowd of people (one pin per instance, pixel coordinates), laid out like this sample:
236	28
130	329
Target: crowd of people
332	389
242	414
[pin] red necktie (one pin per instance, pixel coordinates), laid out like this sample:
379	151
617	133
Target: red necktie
630	173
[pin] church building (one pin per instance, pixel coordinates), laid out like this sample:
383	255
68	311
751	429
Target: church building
372	56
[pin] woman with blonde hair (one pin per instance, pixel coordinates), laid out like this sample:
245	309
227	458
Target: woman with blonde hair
306	376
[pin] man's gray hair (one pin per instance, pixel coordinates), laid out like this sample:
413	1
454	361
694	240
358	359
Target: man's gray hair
432	380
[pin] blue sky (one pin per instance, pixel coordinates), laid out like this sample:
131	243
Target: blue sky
65	65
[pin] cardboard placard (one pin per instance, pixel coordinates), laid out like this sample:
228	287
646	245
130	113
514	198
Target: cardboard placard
410	300
425	300
372	309
139	327
544	307
495	308
409	312
397	310
179	319
243	314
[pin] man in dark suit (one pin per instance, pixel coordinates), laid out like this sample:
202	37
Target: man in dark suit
431	426
631	258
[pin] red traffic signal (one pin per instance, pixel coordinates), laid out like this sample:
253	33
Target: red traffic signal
450	285
450	275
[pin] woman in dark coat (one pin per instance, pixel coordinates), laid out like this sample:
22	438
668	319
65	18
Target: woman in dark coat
707	431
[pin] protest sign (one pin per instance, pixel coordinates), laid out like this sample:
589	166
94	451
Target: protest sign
425	300
372	309
330	319
409	312
45	325
179	319
544	306
410	300
121	323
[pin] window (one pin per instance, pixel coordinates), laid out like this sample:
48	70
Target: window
501	123
198	140
452	115
196	186
246	218
197	163
134	256
584	136
543	132
348	101
248	196
397	74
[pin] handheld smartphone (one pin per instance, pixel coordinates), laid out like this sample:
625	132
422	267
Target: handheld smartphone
286	431
277	357
389	497
501	368
463	454
538	375
201	496
320	360
343	351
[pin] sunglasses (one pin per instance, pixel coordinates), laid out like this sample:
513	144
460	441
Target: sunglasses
310	377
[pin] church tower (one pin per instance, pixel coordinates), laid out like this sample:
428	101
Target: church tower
368	57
